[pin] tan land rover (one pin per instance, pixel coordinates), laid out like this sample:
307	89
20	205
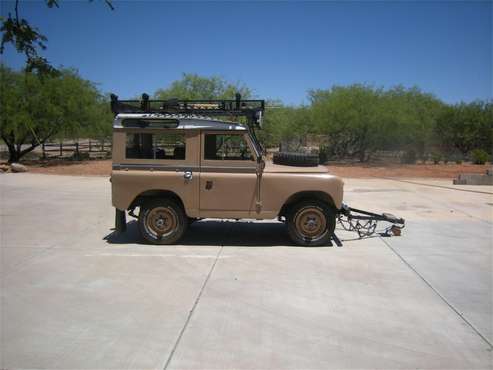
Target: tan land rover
177	165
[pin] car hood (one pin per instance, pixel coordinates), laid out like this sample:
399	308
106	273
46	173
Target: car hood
278	168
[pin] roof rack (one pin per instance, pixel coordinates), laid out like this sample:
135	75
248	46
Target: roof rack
251	109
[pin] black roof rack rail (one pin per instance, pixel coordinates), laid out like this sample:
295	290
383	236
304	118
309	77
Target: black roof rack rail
251	109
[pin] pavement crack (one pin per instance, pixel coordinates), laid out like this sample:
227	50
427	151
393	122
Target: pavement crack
182	331
486	340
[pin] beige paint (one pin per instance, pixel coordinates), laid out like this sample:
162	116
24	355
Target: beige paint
127	184
233	192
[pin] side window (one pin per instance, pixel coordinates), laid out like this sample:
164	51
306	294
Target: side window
226	147
168	145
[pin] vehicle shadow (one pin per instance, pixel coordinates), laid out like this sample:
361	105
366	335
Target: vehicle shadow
217	233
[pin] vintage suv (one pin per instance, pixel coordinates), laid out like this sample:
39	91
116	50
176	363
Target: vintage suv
176	165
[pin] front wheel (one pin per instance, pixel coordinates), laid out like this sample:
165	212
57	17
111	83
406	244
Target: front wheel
311	223
162	221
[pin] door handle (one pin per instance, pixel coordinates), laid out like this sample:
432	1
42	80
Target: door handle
208	185
187	175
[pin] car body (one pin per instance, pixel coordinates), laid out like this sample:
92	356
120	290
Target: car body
210	169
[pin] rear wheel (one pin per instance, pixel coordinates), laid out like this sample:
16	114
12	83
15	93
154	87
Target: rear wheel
162	221
311	223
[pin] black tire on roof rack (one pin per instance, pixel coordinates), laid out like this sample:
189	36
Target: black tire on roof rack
296	159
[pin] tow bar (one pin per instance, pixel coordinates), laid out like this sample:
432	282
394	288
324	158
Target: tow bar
365	223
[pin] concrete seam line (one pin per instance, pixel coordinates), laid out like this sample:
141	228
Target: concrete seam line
440	295
434	186
182	331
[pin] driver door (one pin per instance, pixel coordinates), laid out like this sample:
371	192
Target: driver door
227	175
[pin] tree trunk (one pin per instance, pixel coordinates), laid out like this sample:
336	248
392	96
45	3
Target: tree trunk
15	144
15	150
362	156
13	155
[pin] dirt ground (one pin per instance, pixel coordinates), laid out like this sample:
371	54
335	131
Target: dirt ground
103	168
439	171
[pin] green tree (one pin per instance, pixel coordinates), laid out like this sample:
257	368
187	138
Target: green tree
27	39
193	86
467	126
286	124
100	126
412	116
361	119
352	117
34	108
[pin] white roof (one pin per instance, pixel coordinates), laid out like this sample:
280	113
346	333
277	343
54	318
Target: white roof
185	121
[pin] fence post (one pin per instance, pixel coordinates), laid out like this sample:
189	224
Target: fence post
89	145
102	145
43	149
77	149
61	149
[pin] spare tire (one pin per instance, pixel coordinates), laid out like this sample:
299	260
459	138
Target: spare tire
296	159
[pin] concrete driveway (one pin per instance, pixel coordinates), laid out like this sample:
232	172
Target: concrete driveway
237	294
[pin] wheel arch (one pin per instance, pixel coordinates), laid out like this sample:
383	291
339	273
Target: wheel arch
156	193
306	195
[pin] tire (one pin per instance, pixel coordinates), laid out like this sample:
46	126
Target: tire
191	220
296	159
162	221
311	223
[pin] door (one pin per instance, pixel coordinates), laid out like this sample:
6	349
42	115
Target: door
227	175
154	161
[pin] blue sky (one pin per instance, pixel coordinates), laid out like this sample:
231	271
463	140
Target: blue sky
279	49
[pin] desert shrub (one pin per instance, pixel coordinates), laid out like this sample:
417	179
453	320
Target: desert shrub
436	157
409	157
479	156
455	157
466	126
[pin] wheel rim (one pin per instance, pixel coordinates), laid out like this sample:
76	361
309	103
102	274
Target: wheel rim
161	221
311	223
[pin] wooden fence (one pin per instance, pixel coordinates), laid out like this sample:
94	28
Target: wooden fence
77	149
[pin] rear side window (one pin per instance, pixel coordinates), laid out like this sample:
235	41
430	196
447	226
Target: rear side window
226	147
167	145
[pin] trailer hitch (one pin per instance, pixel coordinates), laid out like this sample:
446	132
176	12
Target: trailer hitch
365	223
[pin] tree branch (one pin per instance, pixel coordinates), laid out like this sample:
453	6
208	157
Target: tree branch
47	136
108	2
20	142
4	138
27	150
17	12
